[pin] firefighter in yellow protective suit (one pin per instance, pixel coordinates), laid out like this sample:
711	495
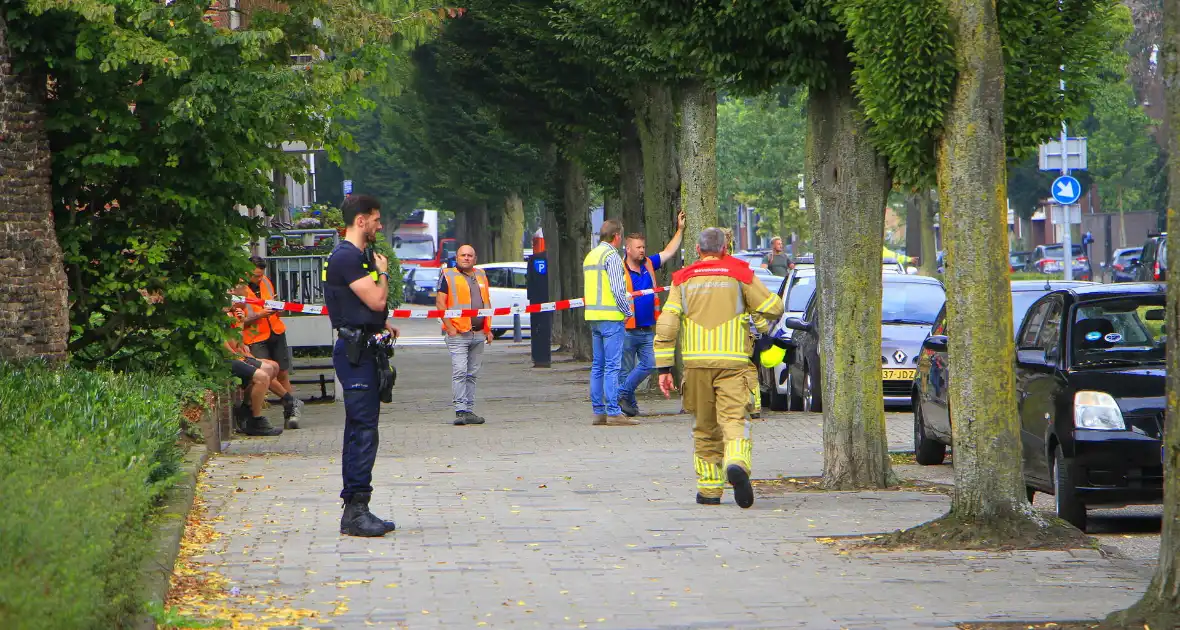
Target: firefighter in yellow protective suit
709	309
758	327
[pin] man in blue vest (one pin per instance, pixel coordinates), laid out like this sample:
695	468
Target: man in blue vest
639	357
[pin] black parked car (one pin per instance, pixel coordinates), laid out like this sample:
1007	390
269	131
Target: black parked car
1152	264
1090	383
932	416
1050	259
909	305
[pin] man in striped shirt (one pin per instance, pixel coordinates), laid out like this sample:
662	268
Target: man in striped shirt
607	307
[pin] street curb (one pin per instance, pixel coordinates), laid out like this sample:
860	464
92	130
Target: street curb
169	524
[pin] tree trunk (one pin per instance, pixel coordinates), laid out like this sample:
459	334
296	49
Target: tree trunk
655	116
698	161
928	263
574	234
1160	606
612	204
847	186
551	227
34	312
631	179
972	182
510	240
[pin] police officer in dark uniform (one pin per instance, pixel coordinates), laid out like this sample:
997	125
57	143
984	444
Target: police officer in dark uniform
356	285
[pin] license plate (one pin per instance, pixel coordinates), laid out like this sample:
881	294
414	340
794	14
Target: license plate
897	375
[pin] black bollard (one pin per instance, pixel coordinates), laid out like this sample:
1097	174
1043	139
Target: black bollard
541	324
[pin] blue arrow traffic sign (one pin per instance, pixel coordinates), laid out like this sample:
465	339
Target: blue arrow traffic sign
1066	190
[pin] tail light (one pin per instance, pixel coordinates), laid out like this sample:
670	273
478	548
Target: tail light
1155	270
1119	267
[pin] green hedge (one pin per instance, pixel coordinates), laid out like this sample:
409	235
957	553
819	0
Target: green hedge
83	458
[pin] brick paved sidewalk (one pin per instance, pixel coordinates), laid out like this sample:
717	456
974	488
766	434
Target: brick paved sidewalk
538	519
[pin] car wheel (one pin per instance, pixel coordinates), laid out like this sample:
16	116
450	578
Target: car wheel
927	452
812	399
794	401
1069	506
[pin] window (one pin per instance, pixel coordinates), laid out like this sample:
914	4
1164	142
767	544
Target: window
1050	334
496	278
1032	327
940	323
800	292
519	279
911	302
1123	330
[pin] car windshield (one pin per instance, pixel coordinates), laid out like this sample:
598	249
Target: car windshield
1119	331
800	293
414	250
426	276
911	303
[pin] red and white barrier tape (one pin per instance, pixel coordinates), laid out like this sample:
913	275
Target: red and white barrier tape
403	313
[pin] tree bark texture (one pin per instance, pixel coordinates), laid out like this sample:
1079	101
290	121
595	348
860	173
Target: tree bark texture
575	236
698	162
972	182
847	186
34	311
655	116
1160	606
927	213
631	179
510	239
551	228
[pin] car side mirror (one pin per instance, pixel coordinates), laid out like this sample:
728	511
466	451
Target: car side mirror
795	323
1030	357
935	343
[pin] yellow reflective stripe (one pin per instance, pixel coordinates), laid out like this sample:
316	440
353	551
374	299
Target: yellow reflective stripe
716	355
767	303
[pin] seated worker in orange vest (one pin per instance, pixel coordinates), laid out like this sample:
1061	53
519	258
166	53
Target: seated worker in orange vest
465	287
639	357
266	335
257	376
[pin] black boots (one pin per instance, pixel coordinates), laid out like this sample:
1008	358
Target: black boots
357	520
743	490
704	500
260	426
466	417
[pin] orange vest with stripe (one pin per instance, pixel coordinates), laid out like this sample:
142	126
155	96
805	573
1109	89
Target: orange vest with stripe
459	297
261	329
651	269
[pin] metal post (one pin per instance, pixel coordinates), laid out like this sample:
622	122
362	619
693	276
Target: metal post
1067	236
516	327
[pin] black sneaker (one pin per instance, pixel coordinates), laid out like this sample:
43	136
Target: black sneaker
471	418
261	427
461	418
743	491
629	408
704	500
291	414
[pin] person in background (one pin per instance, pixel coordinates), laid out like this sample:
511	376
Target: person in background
256	375
639	359
607	307
777	261
266	335
716	348
464	287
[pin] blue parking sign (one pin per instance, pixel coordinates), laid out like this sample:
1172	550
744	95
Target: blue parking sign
540	266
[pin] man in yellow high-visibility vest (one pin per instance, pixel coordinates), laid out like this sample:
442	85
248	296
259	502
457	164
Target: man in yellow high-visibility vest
607	308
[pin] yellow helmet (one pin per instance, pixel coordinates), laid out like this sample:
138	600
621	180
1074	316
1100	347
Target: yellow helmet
772	356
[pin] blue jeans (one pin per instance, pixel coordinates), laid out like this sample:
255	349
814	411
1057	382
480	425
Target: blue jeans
362	407
639	360
604	372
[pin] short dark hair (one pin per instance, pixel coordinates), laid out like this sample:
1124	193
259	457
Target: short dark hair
610	229
636	236
358	205
259	262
